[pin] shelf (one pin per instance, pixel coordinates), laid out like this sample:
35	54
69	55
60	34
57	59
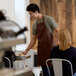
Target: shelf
26	72
11	42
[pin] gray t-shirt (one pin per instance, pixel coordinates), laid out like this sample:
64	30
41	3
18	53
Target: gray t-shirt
49	21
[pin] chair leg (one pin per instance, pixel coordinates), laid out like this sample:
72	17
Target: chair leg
41	74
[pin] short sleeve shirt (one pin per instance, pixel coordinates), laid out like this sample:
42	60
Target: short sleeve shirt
49	22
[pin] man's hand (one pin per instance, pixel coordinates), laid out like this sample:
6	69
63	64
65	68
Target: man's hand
24	53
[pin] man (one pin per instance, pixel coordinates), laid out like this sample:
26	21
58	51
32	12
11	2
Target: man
43	31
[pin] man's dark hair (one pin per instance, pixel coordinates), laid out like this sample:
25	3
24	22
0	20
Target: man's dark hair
33	7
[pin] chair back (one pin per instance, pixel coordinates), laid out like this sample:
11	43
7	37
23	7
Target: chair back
57	66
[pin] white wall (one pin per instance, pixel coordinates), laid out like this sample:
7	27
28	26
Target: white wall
20	12
23	19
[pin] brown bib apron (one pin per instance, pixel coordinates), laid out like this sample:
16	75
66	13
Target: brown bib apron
45	43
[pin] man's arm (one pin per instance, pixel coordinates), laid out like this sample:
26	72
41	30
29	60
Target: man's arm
31	44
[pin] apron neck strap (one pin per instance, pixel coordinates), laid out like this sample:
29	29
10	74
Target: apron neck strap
42	18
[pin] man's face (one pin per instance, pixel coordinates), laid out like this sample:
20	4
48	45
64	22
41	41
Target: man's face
33	15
